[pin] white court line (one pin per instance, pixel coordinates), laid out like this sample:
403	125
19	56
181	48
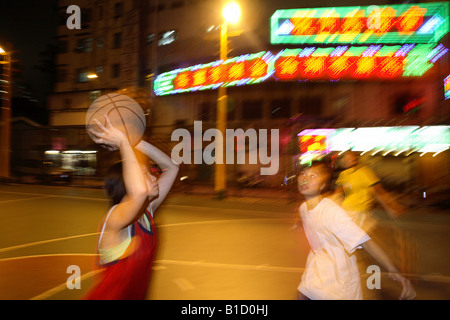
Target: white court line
30	244
62	287
17	200
174	206
54	195
262	267
181	224
231	210
50	255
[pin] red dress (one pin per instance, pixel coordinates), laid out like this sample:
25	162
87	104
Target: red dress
128	277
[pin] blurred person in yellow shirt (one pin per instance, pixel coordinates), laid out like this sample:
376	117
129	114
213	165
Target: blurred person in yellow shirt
359	188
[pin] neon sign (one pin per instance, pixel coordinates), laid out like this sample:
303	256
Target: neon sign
310	63
408	23
315	140
377	140
447	88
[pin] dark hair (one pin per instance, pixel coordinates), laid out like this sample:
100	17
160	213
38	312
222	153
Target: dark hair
315	163
113	183
325	164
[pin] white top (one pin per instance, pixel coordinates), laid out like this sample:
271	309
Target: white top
331	271
112	254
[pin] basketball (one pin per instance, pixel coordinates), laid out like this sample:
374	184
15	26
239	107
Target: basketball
124	113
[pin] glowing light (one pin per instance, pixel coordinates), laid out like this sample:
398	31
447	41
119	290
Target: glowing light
447	88
402	23
431	25
434	155
428	139
236	71
314	67
287	67
51	152
232	12
377	151
313	144
391	67
411	20
387	152
365	67
285	28
315	141
403	150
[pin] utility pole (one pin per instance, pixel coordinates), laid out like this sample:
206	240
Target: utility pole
5	99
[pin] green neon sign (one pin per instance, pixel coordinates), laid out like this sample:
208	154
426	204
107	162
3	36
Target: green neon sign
406	23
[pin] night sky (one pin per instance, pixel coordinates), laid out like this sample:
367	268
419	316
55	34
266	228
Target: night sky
30	25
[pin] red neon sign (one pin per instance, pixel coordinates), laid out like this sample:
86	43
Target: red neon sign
325	67
313	143
381	22
236	71
397	23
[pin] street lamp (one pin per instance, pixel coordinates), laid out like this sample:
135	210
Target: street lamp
5	124
92	76
231	13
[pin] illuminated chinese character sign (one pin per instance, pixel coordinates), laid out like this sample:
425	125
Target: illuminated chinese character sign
309	63
406	23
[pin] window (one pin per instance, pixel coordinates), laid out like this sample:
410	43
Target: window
118	10
252	109
311	105
115	70
67	103
62	46
177	4
117	41
61	74
100	42
84	45
150	39
408	104
86	15
82	75
100	13
167	37
206	111
93	95
280	108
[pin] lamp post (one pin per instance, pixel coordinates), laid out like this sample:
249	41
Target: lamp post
5	127
231	14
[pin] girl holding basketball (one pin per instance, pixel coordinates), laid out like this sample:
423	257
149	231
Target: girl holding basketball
127	240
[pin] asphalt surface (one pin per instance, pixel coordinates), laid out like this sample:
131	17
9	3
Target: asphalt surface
239	248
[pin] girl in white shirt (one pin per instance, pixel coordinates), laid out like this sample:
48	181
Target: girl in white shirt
331	269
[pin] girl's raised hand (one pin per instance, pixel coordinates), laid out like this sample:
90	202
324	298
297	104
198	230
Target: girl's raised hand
109	135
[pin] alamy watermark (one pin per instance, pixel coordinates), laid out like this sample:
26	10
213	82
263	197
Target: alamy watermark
233	153
74	20
73	281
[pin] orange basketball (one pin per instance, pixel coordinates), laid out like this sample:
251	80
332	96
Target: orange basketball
124	113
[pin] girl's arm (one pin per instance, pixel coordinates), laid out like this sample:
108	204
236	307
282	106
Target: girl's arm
375	251
170	170
131	205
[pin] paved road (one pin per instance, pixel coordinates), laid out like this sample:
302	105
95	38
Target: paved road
238	248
